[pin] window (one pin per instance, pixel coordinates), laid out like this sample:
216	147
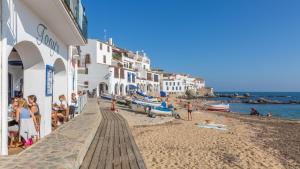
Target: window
122	74
173	88
168	88
149	76
133	78
144	66
170	83
176	88
166	83
155	78
180	88
173	83
78	63
128	77
101	47
116	72
104	59
87	59
178	83
108	49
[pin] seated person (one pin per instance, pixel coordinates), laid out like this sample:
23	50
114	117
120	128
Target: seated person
254	112
61	110
13	125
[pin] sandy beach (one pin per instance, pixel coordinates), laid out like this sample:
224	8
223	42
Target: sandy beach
247	142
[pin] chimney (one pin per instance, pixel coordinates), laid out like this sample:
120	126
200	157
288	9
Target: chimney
110	41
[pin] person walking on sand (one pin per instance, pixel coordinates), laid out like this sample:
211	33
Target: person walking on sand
190	109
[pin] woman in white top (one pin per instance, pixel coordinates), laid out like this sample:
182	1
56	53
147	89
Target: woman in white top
73	105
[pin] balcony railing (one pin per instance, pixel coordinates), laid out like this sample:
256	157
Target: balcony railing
78	12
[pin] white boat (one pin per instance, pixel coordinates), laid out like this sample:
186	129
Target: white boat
106	96
119	99
161	111
218	107
145	103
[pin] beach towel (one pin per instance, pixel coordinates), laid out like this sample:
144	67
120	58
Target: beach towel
213	126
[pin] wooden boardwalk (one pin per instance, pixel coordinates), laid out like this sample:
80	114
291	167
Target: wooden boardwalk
113	146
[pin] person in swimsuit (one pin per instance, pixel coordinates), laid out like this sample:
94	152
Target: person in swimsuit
190	109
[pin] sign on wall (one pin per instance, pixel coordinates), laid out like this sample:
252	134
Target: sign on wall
49	80
45	38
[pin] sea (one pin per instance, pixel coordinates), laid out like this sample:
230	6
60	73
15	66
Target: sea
284	111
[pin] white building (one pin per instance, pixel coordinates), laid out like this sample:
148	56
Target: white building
37	57
113	70
178	84
94	66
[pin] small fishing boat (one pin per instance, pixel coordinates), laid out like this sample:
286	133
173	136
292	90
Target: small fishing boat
106	96
161	111
218	107
145	103
120	99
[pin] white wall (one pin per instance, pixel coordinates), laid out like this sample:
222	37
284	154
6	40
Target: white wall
21	26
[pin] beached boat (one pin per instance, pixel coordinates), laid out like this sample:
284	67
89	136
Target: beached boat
145	103
218	107
161	111
106	96
119	99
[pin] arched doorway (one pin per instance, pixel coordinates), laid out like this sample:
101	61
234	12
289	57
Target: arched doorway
103	88
116	89
60	80
26	76
122	89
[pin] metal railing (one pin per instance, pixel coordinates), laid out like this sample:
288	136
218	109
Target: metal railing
78	13
82	100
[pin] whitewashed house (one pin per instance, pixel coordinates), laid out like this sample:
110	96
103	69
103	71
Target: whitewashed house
178	84
106	68
37	54
94	66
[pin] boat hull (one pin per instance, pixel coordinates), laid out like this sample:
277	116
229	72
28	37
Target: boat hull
220	107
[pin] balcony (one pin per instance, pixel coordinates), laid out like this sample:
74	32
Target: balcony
77	12
65	18
83	70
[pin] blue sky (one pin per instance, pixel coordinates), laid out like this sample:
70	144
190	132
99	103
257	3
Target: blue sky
235	45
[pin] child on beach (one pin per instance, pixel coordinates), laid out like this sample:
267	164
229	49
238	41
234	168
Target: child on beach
113	105
190	109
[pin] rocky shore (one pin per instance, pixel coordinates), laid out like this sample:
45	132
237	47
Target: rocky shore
248	99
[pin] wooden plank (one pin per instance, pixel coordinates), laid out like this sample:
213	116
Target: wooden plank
101	159
92	148
113	145
110	151
95	159
123	150
88	157
97	152
117	164
136	151
130	153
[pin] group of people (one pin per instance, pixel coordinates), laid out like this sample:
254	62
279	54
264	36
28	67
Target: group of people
254	112
62	112
24	120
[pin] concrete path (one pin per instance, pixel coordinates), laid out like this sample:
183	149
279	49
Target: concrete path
64	148
113	146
